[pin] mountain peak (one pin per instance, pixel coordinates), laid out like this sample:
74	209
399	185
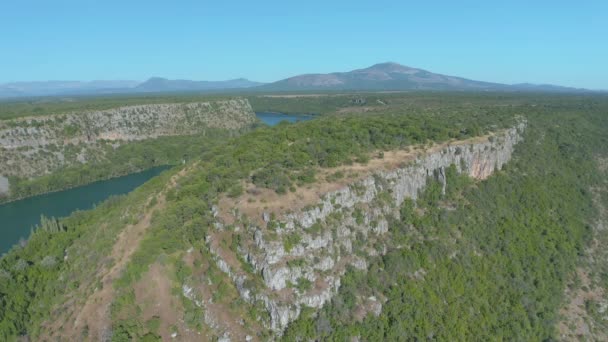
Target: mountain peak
381	76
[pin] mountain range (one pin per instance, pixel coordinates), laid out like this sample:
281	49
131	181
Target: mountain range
379	77
158	84
395	77
152	85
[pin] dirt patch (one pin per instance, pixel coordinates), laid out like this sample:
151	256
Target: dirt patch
153	293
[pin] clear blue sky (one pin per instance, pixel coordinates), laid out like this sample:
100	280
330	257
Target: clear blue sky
559	42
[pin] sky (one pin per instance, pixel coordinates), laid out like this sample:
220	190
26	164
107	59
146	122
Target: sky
556	42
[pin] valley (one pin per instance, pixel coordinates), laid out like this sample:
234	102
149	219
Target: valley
50	153
383	217
303	171
20	217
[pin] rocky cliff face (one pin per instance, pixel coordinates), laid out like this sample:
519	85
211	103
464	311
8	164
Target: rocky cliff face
299	257
35	146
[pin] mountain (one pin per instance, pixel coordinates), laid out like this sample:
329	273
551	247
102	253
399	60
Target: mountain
158	84
394	76
547	88
383	76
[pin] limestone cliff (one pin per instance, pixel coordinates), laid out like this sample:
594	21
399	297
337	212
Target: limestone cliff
35	146
298	257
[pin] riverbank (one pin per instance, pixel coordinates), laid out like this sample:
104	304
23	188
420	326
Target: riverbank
133	157
19	217
84	182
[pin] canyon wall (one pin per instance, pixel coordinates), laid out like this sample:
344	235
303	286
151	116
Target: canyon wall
298	257
34	146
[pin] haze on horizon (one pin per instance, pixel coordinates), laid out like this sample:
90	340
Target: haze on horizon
515	42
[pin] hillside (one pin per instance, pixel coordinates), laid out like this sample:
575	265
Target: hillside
440	222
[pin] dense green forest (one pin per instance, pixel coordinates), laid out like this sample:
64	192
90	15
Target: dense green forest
495	255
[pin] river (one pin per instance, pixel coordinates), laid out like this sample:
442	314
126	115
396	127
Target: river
272	119
16	218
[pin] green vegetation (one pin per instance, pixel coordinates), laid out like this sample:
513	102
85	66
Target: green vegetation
494	268
311	104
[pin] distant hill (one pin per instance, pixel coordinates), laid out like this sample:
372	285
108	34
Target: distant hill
49	88
394	76
158	84
547	88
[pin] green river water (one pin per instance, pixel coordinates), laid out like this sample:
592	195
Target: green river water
16	218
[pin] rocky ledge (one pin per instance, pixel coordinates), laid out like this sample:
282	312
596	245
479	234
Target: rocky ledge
298	258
